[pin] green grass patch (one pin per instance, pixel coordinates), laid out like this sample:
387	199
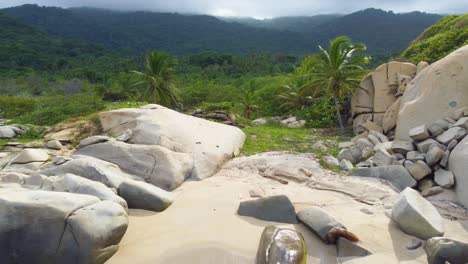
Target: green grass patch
275	138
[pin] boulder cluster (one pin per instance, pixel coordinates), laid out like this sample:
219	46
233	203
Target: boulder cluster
65	205
287	121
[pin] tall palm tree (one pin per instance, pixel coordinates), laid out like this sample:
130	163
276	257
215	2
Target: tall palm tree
296	94
157	79
338	70
247	99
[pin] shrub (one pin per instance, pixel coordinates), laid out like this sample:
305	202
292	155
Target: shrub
14	106
223	106
320	114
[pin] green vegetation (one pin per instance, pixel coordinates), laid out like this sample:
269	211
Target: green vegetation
436	42
158	79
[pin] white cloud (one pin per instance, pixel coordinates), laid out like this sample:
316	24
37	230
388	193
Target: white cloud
258	8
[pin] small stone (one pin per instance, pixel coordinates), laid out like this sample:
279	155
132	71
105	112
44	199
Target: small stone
396	175
93	140
399	162
445	159
353	154
364	164
31	155
367	211
419	170
382	158
462	122
419	133
331	161
402	147
414	244
423	146
444	178
432	191
319	146
371	126
346	165
452	144
385	146
380	136
450	120
278	245
434	155
362	135
54	144
438	127
456	133
441	250
398	156
415	156
346	249
343	145
274	208
408	164
374	139
367	153
60	160
416	216
256	192
425	184
364	143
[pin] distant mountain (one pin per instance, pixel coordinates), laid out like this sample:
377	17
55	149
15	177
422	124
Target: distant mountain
137	32
299	24
447	35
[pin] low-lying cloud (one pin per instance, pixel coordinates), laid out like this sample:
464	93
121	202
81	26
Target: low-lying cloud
258	8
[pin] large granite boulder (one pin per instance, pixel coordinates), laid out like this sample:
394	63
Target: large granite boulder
154	164
210	144
416	216
55	227
437	92
279	245
376	98
459	167
441	250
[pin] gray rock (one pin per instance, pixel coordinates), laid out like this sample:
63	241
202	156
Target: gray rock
408	164
56	227
445	159
346	165
342	145
444	178
31	155
6	132
423	146
364	143
125	136
256	192
459	167
452	144
382	158
414	244
462	122
454	133
380	136
434	155
398	156
346	249
402	147
415	156
425	184
396	175
441	250
353	154
432	191
79	185
399	162
419	133
319	146
364	164
281	246
90	168
331	161
438	127
320	223
367	153
419	170
374	139
93	140
385	146
60	160
259	121
54	144
154	164
141	195
416	216
274	208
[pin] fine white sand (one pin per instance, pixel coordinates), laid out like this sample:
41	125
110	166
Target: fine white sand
201	226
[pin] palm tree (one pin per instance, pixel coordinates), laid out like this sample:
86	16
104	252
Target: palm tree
296	94
157	78
337	71
247	100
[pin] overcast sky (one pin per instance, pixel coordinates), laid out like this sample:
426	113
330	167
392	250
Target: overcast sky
259	8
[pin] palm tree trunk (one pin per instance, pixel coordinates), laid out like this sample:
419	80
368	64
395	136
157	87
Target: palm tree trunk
338	114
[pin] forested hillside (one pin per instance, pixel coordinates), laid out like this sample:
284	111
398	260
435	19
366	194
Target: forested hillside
134	32
437	41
